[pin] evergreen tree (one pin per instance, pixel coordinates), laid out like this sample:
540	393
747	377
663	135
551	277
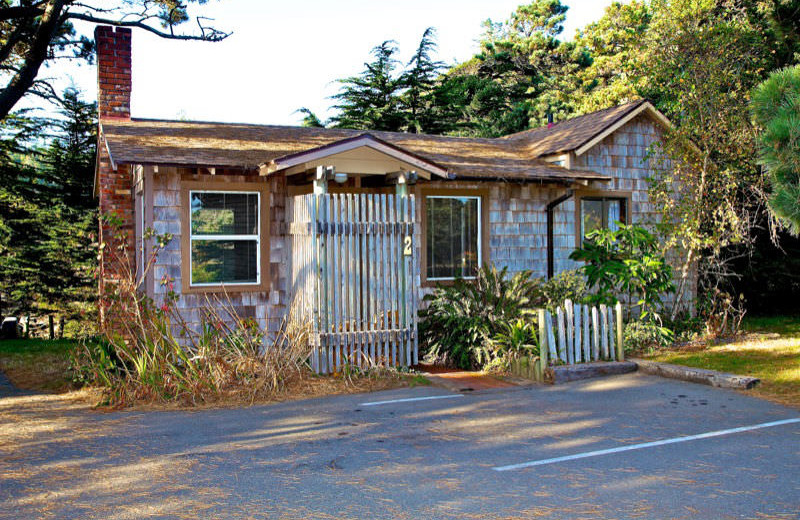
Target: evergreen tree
776	108
370	101
47	215
419	80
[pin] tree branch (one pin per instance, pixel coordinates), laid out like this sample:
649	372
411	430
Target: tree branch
213	35
21	11
49	23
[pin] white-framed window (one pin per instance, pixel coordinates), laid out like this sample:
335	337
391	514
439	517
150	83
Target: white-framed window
602	212
453	236
225	237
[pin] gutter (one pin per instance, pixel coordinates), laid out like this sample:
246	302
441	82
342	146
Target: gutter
551	206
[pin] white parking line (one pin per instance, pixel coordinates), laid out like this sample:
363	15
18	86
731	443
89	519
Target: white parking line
376	403
646	445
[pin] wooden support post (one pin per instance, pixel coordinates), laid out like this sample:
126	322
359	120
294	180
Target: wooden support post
620	347
321	180
542	346
401	188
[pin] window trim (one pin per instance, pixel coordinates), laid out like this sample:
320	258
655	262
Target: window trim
482	194
219	185
599	194
227	238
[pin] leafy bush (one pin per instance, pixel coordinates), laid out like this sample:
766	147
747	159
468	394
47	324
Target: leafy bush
566	285
462	320
516	339
625	261
645	335
685	327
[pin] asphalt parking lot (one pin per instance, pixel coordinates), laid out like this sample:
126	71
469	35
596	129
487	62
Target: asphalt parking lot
629	446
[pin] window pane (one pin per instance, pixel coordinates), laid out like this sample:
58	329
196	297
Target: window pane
452	236
224	261
224	213
591	215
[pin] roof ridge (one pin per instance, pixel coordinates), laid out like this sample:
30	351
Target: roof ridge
355	131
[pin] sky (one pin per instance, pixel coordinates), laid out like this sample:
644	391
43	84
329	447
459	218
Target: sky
286	55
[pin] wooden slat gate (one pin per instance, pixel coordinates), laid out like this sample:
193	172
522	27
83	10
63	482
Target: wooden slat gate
354	275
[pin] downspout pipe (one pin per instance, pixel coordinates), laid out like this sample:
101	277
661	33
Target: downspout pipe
551	206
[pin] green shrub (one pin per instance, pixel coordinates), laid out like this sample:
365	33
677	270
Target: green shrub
645	335
685	327
461	320
566	285
626	261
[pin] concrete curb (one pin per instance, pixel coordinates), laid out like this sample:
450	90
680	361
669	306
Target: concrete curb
566	373
696	375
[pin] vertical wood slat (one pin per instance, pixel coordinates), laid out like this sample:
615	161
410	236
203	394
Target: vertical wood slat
577	314
595	335
587	353
416	276
561	335
604	331
391	322
336	297
620	332
612	350
570	332
543	349
402	272
551	340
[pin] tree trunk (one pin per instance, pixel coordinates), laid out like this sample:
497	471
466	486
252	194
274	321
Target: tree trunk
32	60
61	327
52	327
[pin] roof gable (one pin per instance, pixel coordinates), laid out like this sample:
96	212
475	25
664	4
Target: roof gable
581	133
350	144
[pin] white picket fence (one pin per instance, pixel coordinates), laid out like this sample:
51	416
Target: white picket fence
580	334
354	275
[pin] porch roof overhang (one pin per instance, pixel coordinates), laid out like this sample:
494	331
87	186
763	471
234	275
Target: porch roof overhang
362	153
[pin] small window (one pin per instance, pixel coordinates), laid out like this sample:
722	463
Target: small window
224	240
453	237
601	212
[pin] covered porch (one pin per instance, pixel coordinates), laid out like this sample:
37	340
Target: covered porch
353	249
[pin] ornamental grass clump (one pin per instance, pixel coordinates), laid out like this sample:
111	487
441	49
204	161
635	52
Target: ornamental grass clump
150	353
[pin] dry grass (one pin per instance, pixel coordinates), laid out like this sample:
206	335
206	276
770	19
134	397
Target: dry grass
43	366
769	350
37	364
303	385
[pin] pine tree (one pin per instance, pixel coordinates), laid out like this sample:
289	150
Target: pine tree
419	80
47	216
370	101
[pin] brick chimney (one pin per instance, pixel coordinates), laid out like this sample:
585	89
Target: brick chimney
113	185
113	71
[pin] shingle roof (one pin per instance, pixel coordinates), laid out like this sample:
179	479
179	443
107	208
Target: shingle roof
573	133
186	143
248	146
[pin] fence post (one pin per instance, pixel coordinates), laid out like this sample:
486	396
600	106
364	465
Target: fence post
542	346
620	348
